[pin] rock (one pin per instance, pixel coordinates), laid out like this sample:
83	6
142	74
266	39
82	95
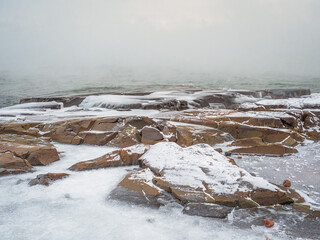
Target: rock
127	136
140	122
207	210
25	140
188	135
286	183
239	157
200	174
312	213
246	142
107	124
66	131
137	188
174	105
47	179
151	135
240	131
67	101
10	164
270	149
36	155
122	157
268	223
19	129
219	150
290	142
95	137
168	130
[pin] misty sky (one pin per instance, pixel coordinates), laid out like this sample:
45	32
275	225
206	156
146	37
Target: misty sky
216	35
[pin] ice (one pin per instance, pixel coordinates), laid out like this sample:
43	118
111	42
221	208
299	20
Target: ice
76	208
36	105
299	103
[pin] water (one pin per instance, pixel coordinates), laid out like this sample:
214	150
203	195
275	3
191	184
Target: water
64	81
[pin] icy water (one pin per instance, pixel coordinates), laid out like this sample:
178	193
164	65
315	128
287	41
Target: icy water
53	81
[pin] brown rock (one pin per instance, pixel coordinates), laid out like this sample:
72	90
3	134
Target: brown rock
290	141
219	150
10	164
286	183
188	135
96	138
19	129
36	155
268	223
239	157
66	131
106	124
140	122
270	149
43	156
25	140
122	157
137	187
47	179
109	160
127	136
240	131
266	197
150	135
246	142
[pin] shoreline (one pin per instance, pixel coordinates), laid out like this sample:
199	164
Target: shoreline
219	156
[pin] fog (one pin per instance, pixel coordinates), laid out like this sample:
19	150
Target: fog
253	36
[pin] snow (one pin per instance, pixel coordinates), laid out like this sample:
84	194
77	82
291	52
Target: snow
184	166
299	103
76	208
36	105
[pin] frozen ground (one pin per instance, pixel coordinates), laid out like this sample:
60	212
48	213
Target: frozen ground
77	207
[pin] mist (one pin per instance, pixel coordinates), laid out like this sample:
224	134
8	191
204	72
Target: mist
248	36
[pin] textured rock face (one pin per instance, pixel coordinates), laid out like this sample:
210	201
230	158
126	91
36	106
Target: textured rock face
19	128
18	153
137	187
47	179
248	142
36	155
200	174
10	164
151	135
122	157
269	149
188	135
207	210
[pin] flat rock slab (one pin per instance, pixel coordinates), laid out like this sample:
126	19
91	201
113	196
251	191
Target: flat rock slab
121	157
200	174
270	149
207	210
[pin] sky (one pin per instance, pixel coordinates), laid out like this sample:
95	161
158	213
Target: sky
214	35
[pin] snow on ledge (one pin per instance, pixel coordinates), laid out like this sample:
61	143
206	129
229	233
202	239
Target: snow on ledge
201	163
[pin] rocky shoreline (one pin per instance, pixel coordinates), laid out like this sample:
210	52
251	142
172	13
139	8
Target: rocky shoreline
186	146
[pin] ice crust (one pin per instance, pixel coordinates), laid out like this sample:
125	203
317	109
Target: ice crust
76	208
